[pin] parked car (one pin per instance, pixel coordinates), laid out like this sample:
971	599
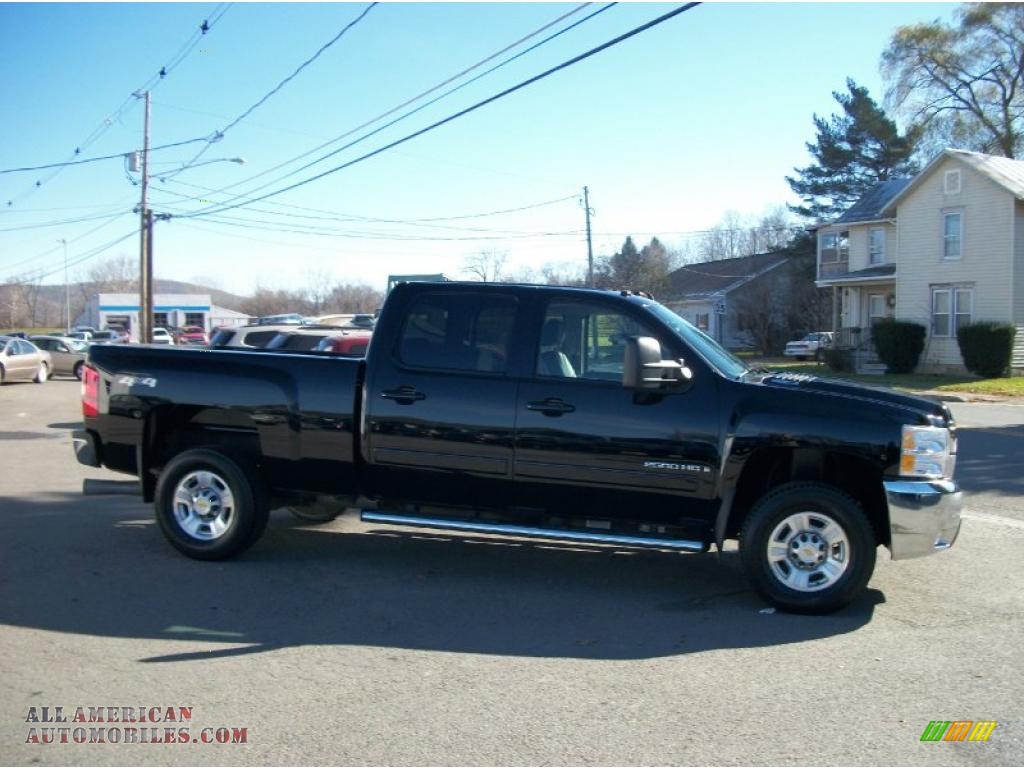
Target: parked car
810	345
321	339
81	335
111	336
348	344
191	335
491	408
67	355
162	336
292	318
21	360
252	336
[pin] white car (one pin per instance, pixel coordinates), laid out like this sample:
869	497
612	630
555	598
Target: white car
810	345
162	336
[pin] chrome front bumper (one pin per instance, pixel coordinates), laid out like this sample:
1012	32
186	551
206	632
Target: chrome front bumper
924	516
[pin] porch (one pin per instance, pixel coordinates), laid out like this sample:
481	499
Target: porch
858	309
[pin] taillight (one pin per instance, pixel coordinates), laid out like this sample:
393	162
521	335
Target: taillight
90	392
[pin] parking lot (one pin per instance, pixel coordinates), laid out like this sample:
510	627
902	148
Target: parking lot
349	644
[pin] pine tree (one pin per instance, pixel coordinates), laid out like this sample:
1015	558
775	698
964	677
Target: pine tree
854	151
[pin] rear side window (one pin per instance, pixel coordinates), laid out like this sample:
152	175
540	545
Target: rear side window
259	338
458	332
222	337
301	341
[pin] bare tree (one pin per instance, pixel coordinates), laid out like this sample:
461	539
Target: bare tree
962	82
486	266
737	236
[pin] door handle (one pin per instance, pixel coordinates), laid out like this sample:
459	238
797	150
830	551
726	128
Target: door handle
550	407
403	395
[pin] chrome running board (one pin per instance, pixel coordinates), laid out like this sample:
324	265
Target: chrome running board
591	537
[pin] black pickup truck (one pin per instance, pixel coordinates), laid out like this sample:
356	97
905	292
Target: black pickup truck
532	411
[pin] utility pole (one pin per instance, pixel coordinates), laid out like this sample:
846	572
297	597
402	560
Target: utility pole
67	289
590	247
145	243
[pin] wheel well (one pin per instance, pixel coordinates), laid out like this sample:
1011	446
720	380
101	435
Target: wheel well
772	467
170	430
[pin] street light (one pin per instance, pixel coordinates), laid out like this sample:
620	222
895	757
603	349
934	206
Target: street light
67	289
187	167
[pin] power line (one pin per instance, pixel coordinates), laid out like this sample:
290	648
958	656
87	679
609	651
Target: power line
422	222
82	258
183	52
87	160
82	236
508	91
412	112
220	134
45	224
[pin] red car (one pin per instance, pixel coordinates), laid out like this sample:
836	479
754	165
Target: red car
192	334
353	343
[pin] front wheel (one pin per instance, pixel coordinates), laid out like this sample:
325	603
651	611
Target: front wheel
42	374
79	367
808	548
208	507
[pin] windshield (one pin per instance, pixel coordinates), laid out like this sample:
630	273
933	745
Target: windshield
710	350
76	345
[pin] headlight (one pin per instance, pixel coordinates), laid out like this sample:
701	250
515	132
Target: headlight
927	452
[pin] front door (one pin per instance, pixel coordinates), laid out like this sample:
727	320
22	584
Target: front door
588	447
441	404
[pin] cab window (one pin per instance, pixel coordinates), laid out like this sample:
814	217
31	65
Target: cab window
458	332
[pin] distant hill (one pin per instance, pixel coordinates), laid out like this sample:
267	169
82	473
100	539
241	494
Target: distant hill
55	293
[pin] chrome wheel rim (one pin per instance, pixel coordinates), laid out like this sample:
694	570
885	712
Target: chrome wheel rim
808	552
42	373
204	506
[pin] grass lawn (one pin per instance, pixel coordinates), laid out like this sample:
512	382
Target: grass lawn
909	382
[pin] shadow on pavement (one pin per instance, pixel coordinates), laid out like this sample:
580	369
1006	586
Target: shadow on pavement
991	460
99	566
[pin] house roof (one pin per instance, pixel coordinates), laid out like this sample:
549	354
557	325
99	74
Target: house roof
869	207
1007	173
697	281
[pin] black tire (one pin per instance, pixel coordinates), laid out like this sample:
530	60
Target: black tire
43	374
1	375
313	514
823	502
246	521
77	370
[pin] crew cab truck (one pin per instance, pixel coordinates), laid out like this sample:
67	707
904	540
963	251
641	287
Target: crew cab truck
533	411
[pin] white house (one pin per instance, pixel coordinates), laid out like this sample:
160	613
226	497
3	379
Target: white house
942	249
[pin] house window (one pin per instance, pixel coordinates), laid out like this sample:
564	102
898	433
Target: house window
876	307
951	183
835	246
876	246
952	235
952	309
702	321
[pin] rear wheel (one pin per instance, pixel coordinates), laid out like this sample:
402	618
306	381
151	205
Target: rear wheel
1	375
808	548
42	374
208	507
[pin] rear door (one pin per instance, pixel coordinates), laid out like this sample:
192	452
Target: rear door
587	446
440	402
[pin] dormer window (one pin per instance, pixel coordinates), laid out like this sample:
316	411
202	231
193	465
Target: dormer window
951	182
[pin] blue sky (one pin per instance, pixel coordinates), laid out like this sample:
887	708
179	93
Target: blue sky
703	114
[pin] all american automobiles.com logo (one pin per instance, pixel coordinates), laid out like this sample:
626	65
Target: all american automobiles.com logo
124	725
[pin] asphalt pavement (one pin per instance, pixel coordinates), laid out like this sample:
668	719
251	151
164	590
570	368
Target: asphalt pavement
348	643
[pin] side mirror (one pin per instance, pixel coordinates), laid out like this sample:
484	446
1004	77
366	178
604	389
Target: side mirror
643	367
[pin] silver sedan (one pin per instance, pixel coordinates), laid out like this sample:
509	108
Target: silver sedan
67	354
21	360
